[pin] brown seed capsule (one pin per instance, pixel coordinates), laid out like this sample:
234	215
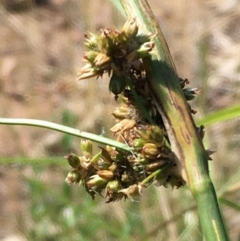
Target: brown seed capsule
156	165
106	174
123	125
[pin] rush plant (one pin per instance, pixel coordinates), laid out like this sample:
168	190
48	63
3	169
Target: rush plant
156	139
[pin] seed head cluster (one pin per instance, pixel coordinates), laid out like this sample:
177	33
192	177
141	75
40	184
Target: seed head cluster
113	173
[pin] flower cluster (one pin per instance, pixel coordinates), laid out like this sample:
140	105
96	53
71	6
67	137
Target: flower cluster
117	174
114	173
115	52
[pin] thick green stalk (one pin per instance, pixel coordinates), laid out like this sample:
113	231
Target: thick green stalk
185	142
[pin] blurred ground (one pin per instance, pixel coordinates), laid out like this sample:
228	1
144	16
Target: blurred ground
41	53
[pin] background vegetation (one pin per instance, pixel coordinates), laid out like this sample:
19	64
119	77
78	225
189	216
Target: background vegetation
41	53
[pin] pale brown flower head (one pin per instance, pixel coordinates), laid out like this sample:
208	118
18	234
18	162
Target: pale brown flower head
114	51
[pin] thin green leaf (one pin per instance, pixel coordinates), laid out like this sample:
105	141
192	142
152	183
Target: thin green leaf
220	116
66	130
230	204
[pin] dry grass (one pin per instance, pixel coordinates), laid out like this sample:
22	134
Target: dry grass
41	52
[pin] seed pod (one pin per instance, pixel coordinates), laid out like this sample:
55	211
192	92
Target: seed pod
144	160
86	146
143	38
124	99
96	182
150	150
95	158
130	28
113	186
90	56
73	177
113	167
101	165
138	143
92	42
144	50
73	160
119	115
123	125
117	84
156	165
143	135
84	162
105	44
113	153
156	134
122	112
106	156
106	174
102	60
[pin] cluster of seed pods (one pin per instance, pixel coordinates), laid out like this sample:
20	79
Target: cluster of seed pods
113	173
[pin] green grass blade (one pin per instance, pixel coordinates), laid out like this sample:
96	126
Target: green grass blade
64	129
220	116
229	203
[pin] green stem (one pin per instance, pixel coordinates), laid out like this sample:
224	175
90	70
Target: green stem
190	154
156	173
66	130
